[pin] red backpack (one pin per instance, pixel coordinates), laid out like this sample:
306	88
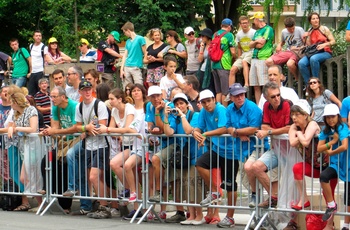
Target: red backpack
99	55
214	50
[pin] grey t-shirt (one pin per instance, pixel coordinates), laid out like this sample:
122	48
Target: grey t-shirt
192	55
294	39
319	103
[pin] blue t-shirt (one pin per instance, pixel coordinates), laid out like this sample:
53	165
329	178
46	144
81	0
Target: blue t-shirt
151	117
249	115
195	152
345	108
348	26
341	158
208	121
135	54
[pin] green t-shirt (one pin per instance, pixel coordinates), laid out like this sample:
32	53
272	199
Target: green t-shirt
227	41
20	65
266	51
67	115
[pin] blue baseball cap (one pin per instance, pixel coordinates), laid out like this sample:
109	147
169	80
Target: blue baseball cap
227	22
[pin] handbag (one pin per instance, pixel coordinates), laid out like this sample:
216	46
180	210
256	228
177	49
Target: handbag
179	159
299	51
312	50
317	160
63	145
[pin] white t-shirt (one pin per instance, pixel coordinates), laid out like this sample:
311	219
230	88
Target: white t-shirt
192	55
120	122
92	142
244	39
139	125
37	58
286	93
294	39
72	93
168	84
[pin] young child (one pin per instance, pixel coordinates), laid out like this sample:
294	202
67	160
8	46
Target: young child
171	79
333	141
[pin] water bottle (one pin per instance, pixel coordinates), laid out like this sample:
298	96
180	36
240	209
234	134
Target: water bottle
95	122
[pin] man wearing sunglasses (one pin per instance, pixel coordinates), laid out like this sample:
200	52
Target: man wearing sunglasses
276	121
192	46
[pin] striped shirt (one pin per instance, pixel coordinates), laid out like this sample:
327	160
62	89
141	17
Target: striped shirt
43	100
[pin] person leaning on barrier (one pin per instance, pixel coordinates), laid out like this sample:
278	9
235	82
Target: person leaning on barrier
25	121
212	122
244	118
276	121
62	123
182	122
333	141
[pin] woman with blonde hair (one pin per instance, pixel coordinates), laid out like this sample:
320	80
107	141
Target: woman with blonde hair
155	70
25	121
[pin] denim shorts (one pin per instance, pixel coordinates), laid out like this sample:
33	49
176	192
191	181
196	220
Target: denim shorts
270	159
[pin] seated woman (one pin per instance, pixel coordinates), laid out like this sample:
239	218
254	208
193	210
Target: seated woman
54	55
322	36
319	97
334	142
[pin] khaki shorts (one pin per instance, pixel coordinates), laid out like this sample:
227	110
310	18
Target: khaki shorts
193	186
258	73
132	75
247	56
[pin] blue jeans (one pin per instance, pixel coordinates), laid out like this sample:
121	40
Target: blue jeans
77	173
20	82
314	62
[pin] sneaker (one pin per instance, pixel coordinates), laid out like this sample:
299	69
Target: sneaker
115	212
70	193
329	213
131	215
124	194
227	98
345	228
102	212
155	198
252	202
211	198
267	204
227	222
133	197
177	218
291	226
80	212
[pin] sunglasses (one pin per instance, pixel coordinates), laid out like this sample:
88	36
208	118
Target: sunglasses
168	36
127	89
313	82
191	34
274	96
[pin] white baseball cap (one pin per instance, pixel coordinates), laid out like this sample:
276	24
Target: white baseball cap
154	89
205	94
304	105
180	96
331	109
188	30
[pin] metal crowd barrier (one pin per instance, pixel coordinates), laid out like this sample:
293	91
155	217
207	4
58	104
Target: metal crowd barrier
175	184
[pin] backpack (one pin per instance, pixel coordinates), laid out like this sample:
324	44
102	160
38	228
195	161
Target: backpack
181	64
95	110
10	202
42	51
96	114
214	50
99	55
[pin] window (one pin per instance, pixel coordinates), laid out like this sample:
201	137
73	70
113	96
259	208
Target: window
323	5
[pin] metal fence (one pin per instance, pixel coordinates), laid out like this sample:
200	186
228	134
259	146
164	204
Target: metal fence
38	171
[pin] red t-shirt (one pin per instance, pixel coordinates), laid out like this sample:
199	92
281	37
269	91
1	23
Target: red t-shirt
277	118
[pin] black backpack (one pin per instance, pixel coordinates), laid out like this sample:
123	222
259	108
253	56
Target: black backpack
10	202
181	62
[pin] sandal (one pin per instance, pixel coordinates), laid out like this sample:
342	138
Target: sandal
23	207
215	220
207	219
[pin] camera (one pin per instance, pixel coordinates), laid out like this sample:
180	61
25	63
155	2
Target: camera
174	111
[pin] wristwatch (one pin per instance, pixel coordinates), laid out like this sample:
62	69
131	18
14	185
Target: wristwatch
269	132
